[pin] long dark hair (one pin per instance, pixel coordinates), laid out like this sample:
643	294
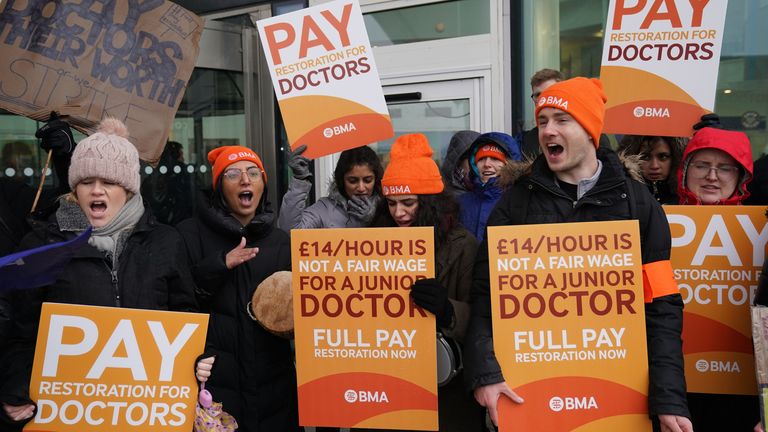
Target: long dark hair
642	145
440	211
358	156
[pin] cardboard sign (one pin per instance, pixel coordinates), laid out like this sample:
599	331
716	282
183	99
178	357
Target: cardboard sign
99	368
365	353
569	325
717	256
325	78
89	60
760	340
670	53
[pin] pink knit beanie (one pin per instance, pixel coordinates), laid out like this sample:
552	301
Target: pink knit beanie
107	154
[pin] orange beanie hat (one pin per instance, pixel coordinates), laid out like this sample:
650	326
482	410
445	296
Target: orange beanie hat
222	157
411	169
582	98
490	150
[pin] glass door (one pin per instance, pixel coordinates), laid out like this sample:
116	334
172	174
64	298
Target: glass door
437	109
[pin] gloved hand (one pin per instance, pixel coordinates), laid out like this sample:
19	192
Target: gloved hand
460	176
299	164
363	208
57	136
430	295
709	120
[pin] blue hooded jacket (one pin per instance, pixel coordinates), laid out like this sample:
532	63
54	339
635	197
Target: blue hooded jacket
476	204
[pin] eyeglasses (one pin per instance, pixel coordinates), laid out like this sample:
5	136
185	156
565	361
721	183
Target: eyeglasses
725	172
234	174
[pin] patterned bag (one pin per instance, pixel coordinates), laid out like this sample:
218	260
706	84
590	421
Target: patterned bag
210	416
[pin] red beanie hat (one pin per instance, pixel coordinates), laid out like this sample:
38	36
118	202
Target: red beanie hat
222	157
582	98
411	169
490	150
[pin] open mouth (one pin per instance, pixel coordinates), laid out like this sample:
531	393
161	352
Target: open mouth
98	207
555	149
246	198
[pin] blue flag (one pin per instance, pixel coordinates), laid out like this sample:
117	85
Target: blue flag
39	266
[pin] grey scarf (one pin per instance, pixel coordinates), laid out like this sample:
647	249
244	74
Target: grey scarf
109	239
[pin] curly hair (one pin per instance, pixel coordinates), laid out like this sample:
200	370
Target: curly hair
358	156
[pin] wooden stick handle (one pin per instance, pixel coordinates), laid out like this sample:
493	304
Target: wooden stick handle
42	180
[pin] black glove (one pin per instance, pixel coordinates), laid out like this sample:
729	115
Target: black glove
299	164
430	295
709	120
57	136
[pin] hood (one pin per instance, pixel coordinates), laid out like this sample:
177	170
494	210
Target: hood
735	144
514	170
457	147
505	142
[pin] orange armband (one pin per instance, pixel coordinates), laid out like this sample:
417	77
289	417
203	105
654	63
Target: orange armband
658	280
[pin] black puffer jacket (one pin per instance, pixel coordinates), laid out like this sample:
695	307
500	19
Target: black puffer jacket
152	274
610	199
253	375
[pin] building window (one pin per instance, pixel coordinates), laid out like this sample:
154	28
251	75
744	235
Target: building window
433	21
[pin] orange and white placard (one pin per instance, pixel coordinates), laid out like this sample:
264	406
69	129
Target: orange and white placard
100	368
660	64
365	353
717	256
569	325
325	78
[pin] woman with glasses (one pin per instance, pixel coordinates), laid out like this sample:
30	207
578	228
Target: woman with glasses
232	247
716	168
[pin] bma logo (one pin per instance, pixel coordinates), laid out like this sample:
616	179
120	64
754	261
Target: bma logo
568	403
397	190
650	112
553	100
241	154
339	130
365	396
718	366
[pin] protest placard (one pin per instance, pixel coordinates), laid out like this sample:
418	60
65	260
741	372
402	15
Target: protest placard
717	256
325	79
569	325
99	368
365	353
88	60
660	63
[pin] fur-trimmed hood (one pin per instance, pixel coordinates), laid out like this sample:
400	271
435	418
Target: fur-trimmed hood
514	170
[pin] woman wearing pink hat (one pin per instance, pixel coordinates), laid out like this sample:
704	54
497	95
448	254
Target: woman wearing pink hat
130	261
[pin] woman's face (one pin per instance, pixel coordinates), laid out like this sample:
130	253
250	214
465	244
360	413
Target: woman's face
712	175
100	200
403	209
489	168
359	181
242	185
657	162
